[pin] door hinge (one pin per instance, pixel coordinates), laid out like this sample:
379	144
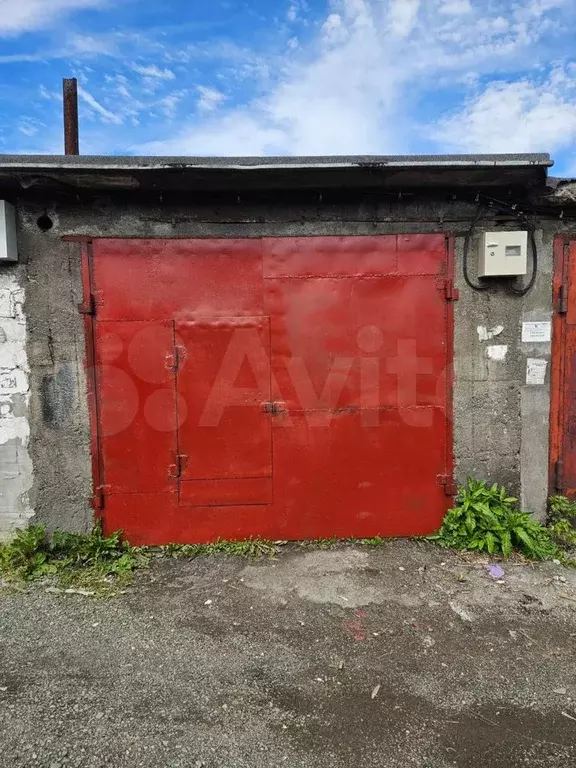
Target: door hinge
447	481
559	475
451	293
97	501
563	299
175	470
272	408
88	306
563	292
174	360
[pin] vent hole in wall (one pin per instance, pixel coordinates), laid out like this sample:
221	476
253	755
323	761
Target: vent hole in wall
44	222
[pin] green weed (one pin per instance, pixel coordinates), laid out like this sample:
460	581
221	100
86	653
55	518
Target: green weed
320	543
73	559
375	541
486	519
249	548
562	521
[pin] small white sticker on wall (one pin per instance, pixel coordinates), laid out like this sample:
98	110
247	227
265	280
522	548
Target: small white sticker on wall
539	331
497	352
535	371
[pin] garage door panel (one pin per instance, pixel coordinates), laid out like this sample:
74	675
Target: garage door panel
421	254
347	342
137	405
329	256
228	492
358	479
164	279
154	519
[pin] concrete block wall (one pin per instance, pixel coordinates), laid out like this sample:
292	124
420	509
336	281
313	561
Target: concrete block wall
501	422
60	434
501	412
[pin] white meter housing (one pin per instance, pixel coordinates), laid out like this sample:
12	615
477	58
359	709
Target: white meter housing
502	254
8	244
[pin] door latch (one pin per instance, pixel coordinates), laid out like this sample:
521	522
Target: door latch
272	408
175	470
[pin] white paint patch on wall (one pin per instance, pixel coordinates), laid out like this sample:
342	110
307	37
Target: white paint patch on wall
485	334
497	352
16	473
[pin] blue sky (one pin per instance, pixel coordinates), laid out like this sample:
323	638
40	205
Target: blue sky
262	77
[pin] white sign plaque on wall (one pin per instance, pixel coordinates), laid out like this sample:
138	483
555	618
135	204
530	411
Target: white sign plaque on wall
535	371
539	331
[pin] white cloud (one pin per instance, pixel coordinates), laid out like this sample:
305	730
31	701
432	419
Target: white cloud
18	16
334	30
402	16
330	104
209	98
169	104
296	9
246	135
153	72
88	46
30	127
47	94
78	47
105	114
349	89
521	116
455	7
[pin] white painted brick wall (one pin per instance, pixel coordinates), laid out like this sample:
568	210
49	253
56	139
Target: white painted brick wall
16	475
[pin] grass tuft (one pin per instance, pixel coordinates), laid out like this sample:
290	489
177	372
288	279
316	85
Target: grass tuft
249	548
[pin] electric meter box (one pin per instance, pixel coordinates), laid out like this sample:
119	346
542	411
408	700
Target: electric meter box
8	244
503	254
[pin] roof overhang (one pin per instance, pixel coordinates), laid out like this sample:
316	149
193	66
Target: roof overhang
225	174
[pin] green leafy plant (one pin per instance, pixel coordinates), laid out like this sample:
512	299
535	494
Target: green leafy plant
562	521
561	508
72	558
27	555
487	519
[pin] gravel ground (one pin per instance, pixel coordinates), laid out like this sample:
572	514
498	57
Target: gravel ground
392	656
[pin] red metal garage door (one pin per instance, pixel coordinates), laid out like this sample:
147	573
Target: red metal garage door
563	390
287	388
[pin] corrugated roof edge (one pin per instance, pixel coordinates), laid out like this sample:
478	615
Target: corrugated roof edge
124	162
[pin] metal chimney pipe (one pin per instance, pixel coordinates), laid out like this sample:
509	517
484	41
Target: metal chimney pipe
71	136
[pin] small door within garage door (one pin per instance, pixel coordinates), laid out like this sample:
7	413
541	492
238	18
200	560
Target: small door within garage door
288	388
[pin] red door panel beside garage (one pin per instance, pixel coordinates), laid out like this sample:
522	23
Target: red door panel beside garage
280	387
563	406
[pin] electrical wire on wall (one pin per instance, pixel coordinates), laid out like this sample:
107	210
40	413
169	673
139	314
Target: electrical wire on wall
486	204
